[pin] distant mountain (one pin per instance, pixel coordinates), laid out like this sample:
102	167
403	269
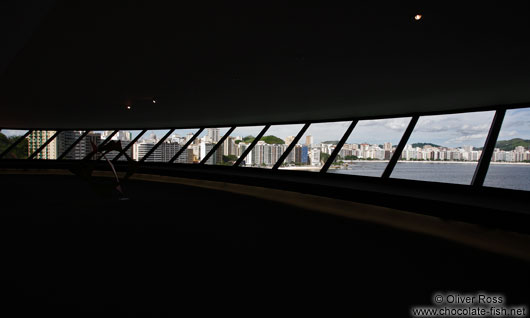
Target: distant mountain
421	144
268	139
508	145
333	142
273	140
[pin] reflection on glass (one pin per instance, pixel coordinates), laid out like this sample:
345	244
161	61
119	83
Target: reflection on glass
369	147
315	146
7	138
444	148
87	145
234	145
510	163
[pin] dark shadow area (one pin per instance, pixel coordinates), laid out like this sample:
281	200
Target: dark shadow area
72	249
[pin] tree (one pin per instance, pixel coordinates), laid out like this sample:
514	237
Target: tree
19	152
272	140
229	159
324	156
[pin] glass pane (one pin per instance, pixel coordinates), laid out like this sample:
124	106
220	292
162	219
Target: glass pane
167	149
370	147
271	147
315	146
66	138
124	137
176	141
95	138
444	148
210	138
193	152
7	138
234	146
37	138
510	163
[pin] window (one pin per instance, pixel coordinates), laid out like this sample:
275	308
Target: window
37	139
510	163
315	146
9	137
176	141
444	148
207	142
370	146
169	145
272	146
234	145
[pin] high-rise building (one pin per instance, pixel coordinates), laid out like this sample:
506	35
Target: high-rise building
258	153
216	158
65	139
291	157
143	147
37	138
315	156
289	139
301	154
185	157
308	140
387	146
229	146
519	149
124	135
213	134
84	147
169	150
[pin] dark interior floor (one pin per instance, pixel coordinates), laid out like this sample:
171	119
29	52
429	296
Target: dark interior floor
71	248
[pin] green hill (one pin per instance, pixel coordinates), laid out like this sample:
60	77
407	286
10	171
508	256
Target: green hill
273	140
333	142
268	139
20	151
508	145
421	144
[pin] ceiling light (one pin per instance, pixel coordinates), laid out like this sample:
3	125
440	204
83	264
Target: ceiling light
417	17
128	106
154	101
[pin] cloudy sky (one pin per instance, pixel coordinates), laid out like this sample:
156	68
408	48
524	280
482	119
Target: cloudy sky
447	130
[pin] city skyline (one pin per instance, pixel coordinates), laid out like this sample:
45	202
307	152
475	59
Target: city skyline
445	130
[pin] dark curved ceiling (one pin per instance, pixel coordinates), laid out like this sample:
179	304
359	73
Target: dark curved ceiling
218	64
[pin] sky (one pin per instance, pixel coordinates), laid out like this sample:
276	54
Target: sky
446	130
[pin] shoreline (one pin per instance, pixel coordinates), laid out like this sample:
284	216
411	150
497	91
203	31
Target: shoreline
317	168
441	162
